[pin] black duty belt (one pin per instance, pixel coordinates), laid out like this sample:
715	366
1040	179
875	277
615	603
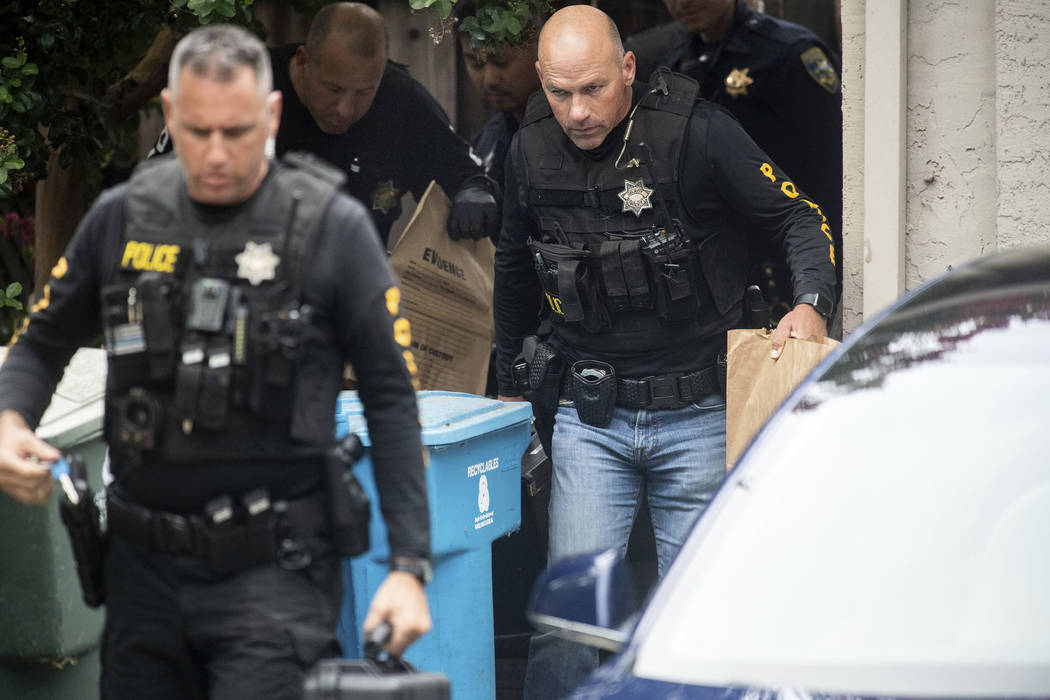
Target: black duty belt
667	391
260	540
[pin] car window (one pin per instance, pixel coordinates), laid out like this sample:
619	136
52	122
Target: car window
891	533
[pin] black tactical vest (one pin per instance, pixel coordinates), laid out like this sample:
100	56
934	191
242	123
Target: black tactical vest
619	262
213	356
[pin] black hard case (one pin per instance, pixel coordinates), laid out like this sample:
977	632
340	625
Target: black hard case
367	679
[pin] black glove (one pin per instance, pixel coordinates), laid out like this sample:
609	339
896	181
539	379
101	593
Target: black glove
475	214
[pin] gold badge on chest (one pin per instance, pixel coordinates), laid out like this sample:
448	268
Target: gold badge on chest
737	81
385	196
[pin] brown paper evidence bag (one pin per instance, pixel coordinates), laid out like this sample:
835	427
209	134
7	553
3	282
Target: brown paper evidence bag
446	295
756	384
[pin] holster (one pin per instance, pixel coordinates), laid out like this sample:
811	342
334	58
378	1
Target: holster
349	509
538	372
592	388
85	534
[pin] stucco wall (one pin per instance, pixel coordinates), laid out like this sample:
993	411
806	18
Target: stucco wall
1022	90
951	162
978	135
853	47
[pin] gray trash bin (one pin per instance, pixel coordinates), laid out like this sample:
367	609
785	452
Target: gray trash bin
50	642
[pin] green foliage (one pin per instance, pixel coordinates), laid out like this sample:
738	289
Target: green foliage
17	245
58	58
18	98
495	22
9	296
210	11
12	312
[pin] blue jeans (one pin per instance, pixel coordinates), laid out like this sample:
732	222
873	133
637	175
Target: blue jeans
678	455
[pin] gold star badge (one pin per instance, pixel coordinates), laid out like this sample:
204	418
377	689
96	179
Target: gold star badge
737	81
385	196
635	196
257	263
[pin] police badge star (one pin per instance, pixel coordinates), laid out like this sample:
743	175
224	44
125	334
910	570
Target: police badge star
635	196
257	263
737	81
385	196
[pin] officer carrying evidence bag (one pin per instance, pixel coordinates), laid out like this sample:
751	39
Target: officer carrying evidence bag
756	384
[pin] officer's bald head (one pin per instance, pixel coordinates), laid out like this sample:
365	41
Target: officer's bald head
356	29
337	73
585	73
583	26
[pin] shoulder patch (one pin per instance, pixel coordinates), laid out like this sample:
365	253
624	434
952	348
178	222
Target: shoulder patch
820	68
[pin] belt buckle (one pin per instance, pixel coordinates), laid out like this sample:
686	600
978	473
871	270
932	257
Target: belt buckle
663	392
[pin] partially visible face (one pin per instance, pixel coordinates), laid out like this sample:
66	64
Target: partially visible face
219	130
700	15
338	89
505	81
589	90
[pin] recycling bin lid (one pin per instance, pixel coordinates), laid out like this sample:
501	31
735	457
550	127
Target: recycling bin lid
444	416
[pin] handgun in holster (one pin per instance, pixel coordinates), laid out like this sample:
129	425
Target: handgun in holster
539	371
348	505
81	519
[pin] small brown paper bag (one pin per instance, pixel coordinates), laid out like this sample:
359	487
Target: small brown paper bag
756	384
446	294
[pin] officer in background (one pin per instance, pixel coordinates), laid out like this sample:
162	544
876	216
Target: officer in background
781	82
505	80
622	215
231	288
345	102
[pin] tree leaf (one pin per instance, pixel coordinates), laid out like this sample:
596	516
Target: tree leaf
14	289
30	69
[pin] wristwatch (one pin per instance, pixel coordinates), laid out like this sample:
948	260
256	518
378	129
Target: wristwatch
417	566
823	304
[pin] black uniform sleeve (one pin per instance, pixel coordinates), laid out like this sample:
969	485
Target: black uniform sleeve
67	315
375	339
516	294
754	187
442	155
815	124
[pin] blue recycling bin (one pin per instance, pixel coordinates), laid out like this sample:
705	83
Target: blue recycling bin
474	447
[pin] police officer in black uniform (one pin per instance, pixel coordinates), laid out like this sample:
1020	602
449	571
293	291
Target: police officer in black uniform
230	288
346	103
781	81
624	219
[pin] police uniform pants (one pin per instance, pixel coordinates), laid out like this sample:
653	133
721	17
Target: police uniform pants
174	630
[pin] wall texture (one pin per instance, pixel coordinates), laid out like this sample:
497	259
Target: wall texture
1022	97
978	135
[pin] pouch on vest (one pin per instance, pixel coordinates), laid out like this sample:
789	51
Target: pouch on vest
125	337
188	381
275	340
153	296
624	275
213	400
571	290
674	273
